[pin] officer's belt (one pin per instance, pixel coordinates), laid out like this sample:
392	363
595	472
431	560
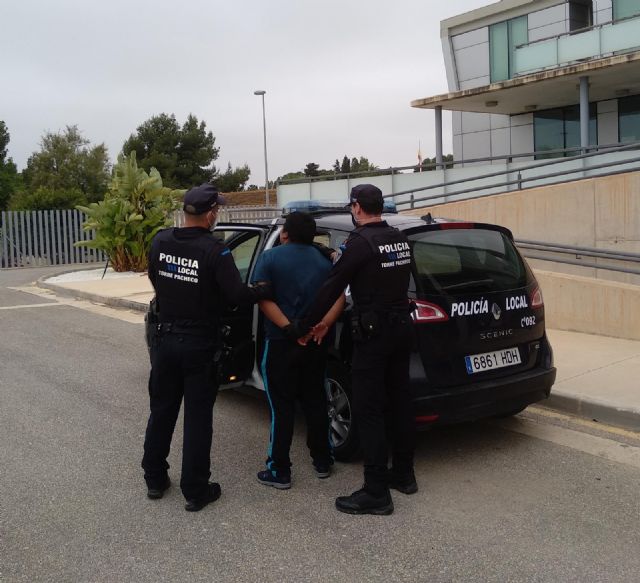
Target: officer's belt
173	328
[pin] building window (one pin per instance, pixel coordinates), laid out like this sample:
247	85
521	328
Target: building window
504	37
559	129
625	9
580	14
629	119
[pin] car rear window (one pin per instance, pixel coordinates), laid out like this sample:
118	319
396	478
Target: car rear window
466	261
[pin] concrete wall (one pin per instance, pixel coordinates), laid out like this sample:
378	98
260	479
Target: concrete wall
592	306
600	212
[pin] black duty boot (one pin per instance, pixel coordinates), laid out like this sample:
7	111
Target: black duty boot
363	502
403	482
212	494
158	492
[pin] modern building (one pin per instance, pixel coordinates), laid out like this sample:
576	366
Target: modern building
540	78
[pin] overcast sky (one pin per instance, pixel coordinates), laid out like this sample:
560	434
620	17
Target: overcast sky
339	74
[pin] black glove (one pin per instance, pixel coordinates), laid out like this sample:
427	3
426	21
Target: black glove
293	331
262	290
327	252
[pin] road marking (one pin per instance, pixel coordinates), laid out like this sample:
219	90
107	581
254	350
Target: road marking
31	306
543	412
591	444
100	309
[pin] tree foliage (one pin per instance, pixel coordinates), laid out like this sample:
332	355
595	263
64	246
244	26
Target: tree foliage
353	165
348	166
135	208
184	155
8	171
43	198
66	163
429	163
233	179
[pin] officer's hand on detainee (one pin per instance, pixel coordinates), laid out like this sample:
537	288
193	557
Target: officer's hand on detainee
319	331
292	331
262	290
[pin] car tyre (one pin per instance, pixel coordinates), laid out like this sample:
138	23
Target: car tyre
343	433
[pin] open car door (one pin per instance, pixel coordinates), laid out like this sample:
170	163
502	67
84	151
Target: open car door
245	242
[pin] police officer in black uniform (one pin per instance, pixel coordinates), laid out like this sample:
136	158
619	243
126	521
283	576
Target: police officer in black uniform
376	262
193	275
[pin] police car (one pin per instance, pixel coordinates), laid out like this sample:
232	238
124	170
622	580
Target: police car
480	344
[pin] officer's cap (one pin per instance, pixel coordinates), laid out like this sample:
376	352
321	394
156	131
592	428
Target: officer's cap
367	195
201	199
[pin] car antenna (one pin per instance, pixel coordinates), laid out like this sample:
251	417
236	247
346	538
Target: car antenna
427	218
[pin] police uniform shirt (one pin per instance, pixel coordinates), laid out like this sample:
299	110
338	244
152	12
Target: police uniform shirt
193	273
375	261
296	272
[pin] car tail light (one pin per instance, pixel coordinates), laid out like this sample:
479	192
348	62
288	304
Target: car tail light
427	418
428	312
461	225
536	298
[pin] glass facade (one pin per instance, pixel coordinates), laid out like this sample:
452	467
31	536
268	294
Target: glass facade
558	129
504	37
625	8
629	119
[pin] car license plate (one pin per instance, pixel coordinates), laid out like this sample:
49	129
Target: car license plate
490	360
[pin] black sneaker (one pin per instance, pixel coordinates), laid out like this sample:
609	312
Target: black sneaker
213	493
268	478
405	483
323	470
157	493
362	502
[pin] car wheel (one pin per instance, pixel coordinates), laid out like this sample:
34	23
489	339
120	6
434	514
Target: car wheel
342	431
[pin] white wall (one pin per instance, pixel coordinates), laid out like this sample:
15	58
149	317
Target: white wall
471	55
602	11
548	22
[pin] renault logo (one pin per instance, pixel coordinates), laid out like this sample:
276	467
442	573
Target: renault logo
496	311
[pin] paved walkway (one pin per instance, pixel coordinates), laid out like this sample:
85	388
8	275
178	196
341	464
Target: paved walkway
598	377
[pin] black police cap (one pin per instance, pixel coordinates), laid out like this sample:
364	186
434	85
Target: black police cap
368	194
201	199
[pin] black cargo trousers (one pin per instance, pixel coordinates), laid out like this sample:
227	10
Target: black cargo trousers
382	403
296	373
182	365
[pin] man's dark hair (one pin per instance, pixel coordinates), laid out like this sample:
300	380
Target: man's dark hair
371	207
301	227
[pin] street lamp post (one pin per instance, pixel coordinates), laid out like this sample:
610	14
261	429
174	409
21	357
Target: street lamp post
261	93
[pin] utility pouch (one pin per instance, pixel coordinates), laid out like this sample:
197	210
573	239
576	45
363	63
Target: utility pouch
356	328
370	323
151	321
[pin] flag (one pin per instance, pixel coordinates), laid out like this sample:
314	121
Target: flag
419	156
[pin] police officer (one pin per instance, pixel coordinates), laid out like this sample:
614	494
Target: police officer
193	275
375	263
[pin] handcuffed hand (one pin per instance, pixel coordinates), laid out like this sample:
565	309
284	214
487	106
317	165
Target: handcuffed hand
319	331
292	331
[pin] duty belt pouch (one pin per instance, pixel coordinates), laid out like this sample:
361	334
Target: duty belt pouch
151	320
370	324
364	326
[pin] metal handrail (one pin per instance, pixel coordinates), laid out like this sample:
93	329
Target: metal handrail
574	250
594	149
519	181
633	258
577	31
582	264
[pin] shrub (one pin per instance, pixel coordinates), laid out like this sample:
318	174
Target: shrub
134	209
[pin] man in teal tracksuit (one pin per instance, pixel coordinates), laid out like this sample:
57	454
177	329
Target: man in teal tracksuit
292	371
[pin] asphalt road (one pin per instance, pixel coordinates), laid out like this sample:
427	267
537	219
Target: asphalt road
538	498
